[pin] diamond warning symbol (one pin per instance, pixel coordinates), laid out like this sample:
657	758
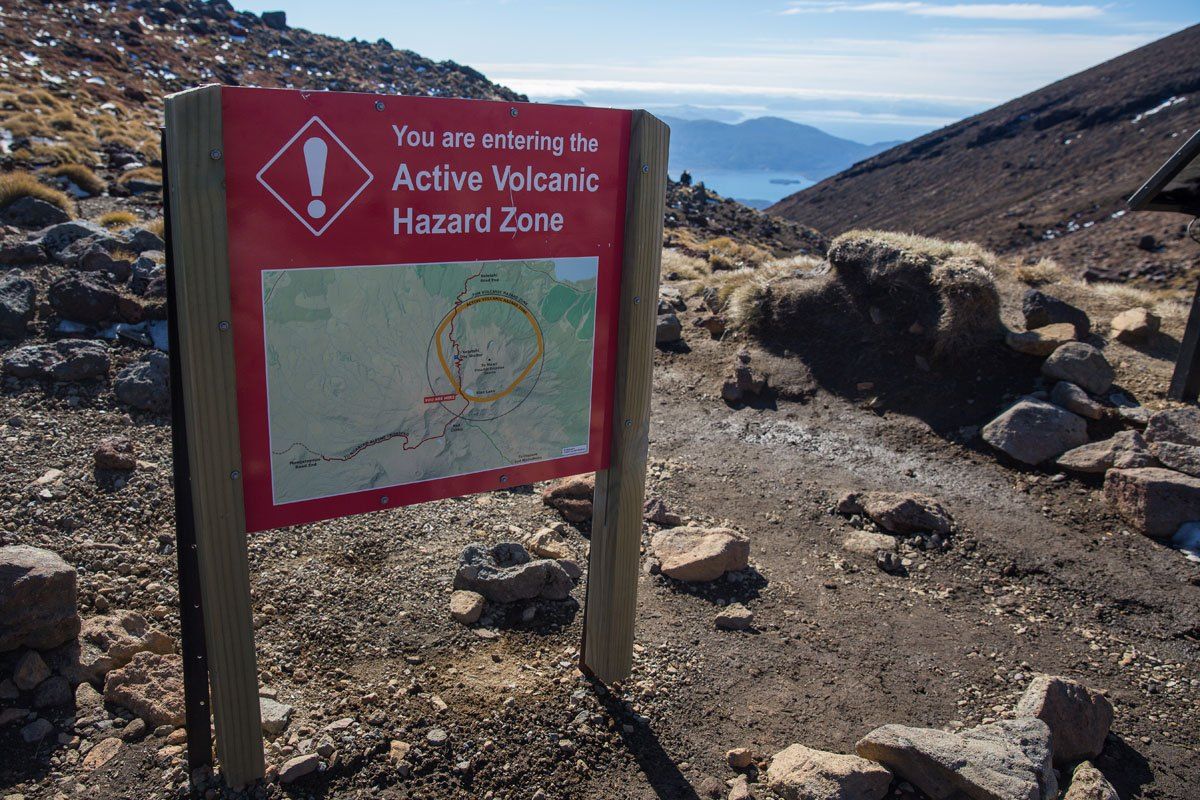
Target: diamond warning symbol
315	176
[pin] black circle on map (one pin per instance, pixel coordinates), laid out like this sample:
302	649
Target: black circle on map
541	361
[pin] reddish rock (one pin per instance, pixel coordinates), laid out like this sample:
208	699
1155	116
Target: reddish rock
151	686
1078	718
115	452
1155	501
572	497
700	554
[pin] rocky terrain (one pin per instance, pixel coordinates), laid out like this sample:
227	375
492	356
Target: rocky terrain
1045	175
913	524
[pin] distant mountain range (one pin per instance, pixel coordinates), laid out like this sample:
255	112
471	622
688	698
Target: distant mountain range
765	144
1046	174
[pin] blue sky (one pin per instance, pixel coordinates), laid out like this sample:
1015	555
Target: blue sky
870	71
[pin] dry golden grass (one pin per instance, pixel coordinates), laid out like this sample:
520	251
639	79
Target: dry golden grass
739	292
1044	272
686	267
141	173
724	253
115	220
15	185
65	121
40	153
923	246
158	227
80	175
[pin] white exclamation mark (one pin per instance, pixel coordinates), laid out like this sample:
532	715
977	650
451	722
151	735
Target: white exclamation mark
315	153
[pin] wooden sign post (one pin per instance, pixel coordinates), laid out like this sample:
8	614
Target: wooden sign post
448	266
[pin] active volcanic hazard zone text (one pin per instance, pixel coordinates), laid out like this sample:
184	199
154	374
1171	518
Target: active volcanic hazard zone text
387	375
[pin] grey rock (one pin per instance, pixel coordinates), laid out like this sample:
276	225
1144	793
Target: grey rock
867	543
1041	309
1089	783
17	298
52	693
1080	364
1135	325
98	259
145	384
37	599
21	252
1007	760
58	237
505	574
140	240
37	730
1078	718
29	671
30	212
275	715
64	360
1075	400
668	329
1125	450
898	512
801	773
1033	431
276	20
1184	458
1178	425
84	297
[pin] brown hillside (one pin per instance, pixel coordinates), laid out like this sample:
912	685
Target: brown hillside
1046	174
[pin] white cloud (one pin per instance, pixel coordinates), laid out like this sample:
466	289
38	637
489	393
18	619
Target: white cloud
990	11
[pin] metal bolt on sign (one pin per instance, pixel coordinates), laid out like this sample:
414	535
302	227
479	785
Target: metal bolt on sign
379	105
214	154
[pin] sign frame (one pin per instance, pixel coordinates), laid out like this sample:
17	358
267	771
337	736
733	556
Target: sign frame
210	510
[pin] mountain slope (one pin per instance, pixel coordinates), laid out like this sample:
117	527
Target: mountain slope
767	144
1047	172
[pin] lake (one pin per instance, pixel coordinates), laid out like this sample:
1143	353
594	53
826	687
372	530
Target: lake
757	189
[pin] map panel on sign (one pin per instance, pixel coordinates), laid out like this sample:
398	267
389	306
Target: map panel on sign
382	376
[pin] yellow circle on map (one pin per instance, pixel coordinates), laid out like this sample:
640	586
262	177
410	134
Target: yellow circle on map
489	398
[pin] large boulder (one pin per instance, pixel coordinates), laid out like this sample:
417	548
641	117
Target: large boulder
1155	501
84	297
151	686
57	238
17	297
667	329
1125	450
145	384
64	360
572	497
1082	365
898	512
1033	431
1041	309
800	773
505	574
1078	718
110	642
1183	458
37	599
700	554
1007	760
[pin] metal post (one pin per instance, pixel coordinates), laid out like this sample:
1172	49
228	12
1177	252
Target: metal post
191	610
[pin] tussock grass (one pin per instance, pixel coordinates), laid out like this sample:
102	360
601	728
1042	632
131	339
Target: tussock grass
740	292
80	175
15	185
141	173
725	253
158	227
115	220
1044	272
41	153
65	121
685	266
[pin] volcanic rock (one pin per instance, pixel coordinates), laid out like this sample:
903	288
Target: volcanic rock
109	642
32	213
1007	760
1041	309
572	497
1184	458
700	554
1075	400
1178	425
668	329
897	512
801	773
1078	718
1034	431
1125	450
115	452
1080	364
37	599
84	297
151	686
17	298
1155	501
734	617
1135	325
505	574
1041	341
1089	783
145	384
62	361
466	607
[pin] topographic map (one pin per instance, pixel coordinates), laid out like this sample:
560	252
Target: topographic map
386	375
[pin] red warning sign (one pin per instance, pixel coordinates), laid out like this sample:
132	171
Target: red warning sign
315	176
